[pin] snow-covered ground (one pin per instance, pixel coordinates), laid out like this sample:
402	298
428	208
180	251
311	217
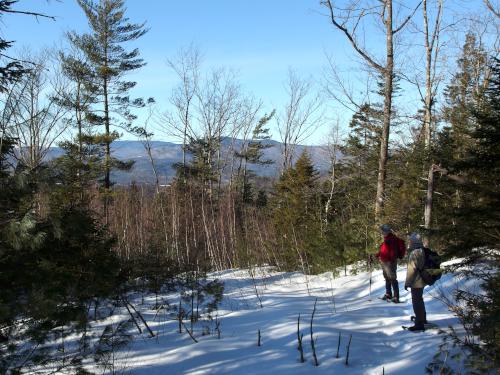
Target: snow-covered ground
344	306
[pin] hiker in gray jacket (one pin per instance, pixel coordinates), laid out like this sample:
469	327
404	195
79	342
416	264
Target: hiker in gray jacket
414	281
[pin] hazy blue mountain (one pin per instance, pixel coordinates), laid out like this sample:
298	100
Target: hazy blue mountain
166	154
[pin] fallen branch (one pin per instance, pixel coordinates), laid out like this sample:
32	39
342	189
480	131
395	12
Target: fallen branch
190	334
151	333
133	318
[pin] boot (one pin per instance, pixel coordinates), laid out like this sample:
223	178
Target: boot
417	328
386	297
412	318
395	300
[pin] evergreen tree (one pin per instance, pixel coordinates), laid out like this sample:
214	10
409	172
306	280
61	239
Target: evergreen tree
78	99
109	62
201	167
13	69
465	90
354	213
454	141
55	260
252	154
361	147
477	176
297	209
474	224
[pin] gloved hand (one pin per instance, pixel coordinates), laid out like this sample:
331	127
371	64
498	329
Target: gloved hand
406	287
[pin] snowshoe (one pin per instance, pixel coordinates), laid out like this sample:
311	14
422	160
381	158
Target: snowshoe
415	328
386	297
426	327
412	318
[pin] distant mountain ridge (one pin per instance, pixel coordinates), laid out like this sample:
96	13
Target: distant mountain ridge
167	154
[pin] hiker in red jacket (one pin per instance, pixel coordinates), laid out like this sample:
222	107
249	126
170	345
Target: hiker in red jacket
390	250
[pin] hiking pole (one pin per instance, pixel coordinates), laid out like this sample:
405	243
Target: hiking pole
370	270
369	263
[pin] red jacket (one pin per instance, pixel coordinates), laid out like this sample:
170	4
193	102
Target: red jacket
389	248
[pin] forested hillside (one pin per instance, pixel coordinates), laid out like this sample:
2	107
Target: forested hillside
118	208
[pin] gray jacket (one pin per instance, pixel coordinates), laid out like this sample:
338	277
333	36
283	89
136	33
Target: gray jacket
416	261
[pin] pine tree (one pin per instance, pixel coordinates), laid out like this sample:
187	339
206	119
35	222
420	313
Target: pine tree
78	98
252	154
297	209
474	224
109	62
362	144
14	69
201	167
478	174
453	142
55	258
465	90
353	220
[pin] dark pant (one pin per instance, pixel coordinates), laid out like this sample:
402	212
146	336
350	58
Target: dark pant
417	299
389	270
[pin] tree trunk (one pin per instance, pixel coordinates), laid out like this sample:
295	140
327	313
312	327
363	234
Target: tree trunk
430	41
428	203
384	142
428	93
107	160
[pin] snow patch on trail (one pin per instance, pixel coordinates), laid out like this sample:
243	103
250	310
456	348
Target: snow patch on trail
344	306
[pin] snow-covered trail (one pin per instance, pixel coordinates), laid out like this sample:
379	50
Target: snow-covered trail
343	306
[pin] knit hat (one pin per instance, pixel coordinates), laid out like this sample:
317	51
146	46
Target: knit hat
415	240
385	228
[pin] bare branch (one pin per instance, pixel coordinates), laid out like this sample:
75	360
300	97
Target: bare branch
34	14
37	118
407	19
300	117
350	36
491	8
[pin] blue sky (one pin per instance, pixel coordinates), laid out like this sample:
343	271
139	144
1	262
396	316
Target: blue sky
260	39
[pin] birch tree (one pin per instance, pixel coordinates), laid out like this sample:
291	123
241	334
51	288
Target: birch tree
347	19
37	118
299	118
432	48
186	66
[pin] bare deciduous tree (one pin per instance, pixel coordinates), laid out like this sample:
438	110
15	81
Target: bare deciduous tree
300	117
431	39
36	118
333	150
218	101
186	66
494	10
348	19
